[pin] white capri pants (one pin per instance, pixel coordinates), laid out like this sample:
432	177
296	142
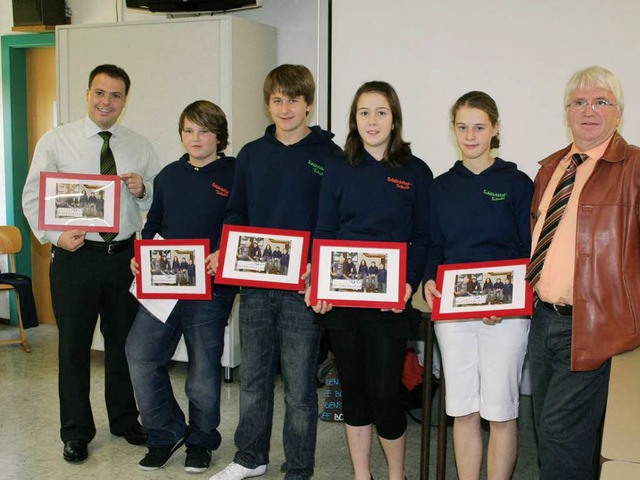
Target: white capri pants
483	366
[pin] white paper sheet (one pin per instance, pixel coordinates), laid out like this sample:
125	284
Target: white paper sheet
159	308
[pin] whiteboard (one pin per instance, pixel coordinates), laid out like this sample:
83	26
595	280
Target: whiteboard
522	53
172	63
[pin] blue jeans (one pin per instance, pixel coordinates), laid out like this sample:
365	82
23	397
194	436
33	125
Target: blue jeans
277	328
150	346
568	407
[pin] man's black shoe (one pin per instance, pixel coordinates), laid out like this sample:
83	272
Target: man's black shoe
157	457
75	451
135	434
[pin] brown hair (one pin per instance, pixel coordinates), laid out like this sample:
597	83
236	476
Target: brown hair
481	101
290	80
209	115
398	151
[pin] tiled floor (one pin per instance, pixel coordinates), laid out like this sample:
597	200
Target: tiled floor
30	447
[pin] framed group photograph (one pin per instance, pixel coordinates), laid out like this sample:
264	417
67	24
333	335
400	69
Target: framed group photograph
173	269
359	274
263	257
70	201
483	289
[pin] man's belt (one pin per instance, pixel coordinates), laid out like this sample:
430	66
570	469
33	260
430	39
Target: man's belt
109	248
560	309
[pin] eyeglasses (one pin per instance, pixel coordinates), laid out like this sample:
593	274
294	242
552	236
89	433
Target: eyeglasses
598	105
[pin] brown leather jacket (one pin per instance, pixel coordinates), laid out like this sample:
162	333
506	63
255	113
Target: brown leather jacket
606	283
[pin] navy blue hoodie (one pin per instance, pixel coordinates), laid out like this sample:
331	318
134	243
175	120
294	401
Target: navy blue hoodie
189	202
376	202
482	217
277	185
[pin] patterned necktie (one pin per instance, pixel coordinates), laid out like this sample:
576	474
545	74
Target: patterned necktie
554	215
107	167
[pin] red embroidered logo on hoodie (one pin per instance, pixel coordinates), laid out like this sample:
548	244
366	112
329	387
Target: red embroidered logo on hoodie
401	184
223	192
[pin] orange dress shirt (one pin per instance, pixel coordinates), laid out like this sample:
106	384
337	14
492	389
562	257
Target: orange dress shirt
556	279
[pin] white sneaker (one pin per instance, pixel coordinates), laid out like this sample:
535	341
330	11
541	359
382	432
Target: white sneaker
235	471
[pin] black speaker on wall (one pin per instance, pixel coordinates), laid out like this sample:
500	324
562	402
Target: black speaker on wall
38	12
169	6
141	4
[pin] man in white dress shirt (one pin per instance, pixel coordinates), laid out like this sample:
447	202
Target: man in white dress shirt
90	272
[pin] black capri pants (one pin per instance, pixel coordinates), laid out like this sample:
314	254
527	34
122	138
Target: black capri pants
370	369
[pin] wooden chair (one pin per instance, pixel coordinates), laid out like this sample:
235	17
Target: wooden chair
10	244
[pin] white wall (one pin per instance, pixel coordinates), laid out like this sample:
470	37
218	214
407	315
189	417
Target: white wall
302	26
521	53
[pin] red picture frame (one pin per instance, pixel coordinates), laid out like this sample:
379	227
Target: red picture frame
79	201
337	285
503	290
160	278
243	261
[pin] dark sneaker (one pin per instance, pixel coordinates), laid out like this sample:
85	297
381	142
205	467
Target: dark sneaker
157	457
198	459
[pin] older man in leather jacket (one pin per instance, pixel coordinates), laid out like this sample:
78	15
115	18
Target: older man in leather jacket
588	290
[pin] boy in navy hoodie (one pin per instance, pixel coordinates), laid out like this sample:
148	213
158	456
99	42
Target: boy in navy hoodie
276	185
189	199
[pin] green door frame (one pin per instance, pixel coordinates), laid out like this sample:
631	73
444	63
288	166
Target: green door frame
16	147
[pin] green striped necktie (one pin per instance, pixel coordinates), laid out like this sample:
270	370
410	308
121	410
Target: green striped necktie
107	167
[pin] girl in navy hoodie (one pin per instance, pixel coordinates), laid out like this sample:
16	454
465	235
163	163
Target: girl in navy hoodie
480	212
369	344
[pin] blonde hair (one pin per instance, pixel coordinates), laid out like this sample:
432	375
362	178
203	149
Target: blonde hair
594	77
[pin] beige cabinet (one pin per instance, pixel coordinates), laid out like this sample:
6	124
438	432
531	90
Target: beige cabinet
172	63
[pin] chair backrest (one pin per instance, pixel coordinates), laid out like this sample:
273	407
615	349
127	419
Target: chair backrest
10	243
